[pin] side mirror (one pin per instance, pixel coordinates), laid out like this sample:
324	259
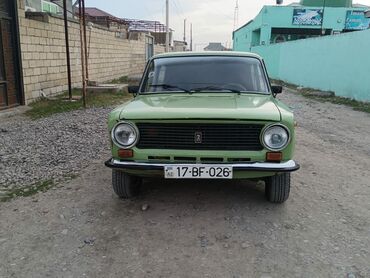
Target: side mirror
276	89
133	89
367	13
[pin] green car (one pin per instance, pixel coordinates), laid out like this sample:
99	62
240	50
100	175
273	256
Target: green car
208	115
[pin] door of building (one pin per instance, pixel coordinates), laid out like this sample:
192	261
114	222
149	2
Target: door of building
10	93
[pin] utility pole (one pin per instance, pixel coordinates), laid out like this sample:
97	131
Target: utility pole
167	27
191	37
67	49
185	30
236	15
85	40
322	20
82	54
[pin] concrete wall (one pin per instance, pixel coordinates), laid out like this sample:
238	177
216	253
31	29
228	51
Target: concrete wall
339	63
44	57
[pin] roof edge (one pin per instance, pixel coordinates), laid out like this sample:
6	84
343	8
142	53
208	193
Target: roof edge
208	53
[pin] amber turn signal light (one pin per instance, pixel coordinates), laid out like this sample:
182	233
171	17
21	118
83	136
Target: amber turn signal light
274	156
125	153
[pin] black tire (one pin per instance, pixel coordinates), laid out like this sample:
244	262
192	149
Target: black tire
124	185
277	188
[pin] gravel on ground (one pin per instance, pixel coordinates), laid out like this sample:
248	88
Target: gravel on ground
205	228
53	148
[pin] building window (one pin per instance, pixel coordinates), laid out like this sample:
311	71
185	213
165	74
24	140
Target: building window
48	7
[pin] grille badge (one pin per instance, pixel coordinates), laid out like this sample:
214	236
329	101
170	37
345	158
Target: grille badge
198	137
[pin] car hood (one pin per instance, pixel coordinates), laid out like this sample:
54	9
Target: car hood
201	106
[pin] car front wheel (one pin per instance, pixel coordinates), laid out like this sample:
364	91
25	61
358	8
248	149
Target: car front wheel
277	188
124	185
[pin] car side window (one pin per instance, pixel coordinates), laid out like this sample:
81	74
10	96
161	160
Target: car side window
262	83
149	77
161	75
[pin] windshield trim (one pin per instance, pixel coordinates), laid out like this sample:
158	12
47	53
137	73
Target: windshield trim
266	76
204	92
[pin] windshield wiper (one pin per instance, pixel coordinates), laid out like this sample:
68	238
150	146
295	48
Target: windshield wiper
214	88
168	86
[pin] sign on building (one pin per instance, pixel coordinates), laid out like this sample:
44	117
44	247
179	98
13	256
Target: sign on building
307	17
356	20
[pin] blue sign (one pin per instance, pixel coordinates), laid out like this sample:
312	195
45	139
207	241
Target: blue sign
356	20
307	17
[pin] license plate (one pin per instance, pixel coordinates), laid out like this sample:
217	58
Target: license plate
198	172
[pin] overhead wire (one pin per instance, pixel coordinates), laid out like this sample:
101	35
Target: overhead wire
179	10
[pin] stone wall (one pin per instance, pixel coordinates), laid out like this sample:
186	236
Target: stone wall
44	56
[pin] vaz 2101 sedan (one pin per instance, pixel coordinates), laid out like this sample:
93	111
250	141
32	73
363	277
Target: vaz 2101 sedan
210	115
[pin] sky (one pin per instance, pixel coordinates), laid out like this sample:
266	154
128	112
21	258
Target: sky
213	20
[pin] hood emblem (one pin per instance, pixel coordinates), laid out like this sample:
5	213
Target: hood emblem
198	137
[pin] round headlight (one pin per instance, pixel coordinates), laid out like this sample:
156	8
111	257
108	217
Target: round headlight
125	135
275	137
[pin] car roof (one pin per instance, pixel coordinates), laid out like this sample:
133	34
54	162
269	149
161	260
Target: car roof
207	53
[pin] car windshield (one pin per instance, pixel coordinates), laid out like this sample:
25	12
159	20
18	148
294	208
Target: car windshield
205	74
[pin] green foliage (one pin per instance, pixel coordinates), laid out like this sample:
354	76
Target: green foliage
32	189
46	107
121	80
27	191
327	97
356	105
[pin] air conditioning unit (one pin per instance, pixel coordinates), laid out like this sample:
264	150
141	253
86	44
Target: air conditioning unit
30	9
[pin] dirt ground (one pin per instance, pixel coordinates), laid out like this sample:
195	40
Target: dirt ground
203	228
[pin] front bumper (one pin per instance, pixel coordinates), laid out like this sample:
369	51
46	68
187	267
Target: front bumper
287	166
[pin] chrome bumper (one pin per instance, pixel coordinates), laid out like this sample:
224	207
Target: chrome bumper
288	166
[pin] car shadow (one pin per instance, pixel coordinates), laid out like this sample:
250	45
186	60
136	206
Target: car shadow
193	187
196	198
198	194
